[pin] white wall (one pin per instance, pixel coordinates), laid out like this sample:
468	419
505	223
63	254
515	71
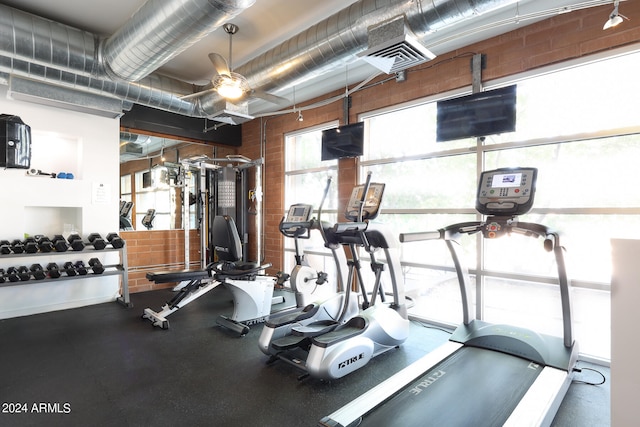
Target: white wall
625	294
62	141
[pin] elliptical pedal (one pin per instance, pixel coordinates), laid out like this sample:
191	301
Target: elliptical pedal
289	342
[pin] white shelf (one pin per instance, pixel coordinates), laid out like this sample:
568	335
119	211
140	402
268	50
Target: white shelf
120	269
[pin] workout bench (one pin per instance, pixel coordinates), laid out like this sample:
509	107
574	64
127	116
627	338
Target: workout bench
252	292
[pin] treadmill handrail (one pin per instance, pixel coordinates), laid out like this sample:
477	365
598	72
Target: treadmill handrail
451	234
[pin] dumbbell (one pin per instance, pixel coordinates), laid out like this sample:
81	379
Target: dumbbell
97	267
53	270
17	247
30	245
116	241
69	269
59	243
5	248
95	240
81	269
12	274
21	273
37	272
45	244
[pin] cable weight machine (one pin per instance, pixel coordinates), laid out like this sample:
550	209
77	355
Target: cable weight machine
221	188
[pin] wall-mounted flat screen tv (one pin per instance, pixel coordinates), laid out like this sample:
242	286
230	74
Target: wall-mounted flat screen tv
479	114
343	141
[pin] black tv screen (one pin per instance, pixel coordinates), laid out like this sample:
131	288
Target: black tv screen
343	141
479	114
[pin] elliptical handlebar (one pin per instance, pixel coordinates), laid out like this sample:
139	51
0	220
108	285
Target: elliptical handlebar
294	230
324	196
319	219
363	198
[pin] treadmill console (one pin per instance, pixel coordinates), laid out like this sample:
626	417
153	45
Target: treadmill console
506	191
371	202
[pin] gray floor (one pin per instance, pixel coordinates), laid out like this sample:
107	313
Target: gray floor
105	366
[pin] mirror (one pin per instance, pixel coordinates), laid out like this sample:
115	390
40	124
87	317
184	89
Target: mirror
151	194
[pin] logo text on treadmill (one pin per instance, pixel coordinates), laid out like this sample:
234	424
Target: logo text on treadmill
422	385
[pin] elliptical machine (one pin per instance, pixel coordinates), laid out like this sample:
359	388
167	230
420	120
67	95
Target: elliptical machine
335	350
276	335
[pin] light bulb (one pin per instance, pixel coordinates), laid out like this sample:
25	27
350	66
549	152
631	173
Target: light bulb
230	88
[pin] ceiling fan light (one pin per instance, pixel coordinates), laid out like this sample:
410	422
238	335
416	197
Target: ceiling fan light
230	89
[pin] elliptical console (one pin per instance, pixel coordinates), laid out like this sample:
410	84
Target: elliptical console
362	207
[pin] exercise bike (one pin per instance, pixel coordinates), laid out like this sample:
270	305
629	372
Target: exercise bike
276	335
334	351
303	279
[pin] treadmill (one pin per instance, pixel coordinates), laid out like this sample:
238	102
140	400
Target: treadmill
486	374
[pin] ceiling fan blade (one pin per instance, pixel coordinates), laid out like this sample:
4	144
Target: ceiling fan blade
197	94
275	99
220	64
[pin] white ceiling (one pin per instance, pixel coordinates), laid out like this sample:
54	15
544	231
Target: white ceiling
267	23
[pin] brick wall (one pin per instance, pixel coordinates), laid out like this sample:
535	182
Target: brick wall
554	40
157	250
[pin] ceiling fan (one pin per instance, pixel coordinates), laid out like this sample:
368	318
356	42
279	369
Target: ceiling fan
232	86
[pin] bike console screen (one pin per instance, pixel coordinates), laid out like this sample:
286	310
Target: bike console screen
506	191
299	213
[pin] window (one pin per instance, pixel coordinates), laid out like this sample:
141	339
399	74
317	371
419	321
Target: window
576	131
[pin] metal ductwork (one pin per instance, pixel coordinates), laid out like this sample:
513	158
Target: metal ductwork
337	40
121	66
162	29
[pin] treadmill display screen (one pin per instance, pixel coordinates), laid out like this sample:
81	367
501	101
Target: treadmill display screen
506	180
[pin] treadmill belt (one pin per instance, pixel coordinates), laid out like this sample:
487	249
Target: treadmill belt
472	387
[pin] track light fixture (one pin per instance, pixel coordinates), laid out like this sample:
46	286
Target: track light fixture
615	17
299	118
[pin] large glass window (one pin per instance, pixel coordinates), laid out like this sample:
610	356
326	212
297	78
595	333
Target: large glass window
584	142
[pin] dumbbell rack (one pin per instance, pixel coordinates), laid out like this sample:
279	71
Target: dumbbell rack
120	269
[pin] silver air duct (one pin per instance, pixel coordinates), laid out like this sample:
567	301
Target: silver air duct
162	29
42	50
